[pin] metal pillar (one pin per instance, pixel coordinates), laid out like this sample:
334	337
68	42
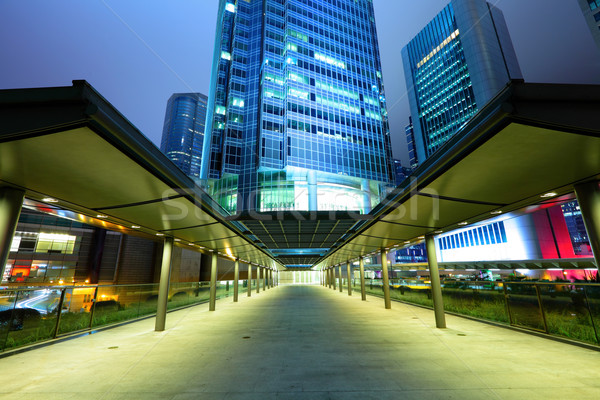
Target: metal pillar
272	281
236	278
249	280
436	288
213	283
340	278
363	293
11	201
588	197
258	279
386	281
163	286
265	280
349	271
333	276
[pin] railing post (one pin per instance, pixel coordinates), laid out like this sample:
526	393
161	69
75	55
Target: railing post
163	286
60	306
340	277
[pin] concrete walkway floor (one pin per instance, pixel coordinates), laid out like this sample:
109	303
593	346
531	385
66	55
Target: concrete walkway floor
304	342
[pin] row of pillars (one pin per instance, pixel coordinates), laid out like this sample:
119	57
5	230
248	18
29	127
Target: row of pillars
11	201
588	197
268	282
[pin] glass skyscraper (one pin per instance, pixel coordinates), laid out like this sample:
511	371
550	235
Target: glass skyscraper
591	13
183	131
453	67
297	113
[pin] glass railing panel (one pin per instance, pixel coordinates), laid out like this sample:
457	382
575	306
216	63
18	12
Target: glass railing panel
76	310
480	299
567	311
524	306
416	291
116	304
182	294
33	317
7	304
148	299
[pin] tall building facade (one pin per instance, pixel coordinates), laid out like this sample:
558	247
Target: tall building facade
409	130
183	131
297	112
591	13
453	67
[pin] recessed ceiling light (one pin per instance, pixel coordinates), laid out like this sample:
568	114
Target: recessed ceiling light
421	237
177	240
135	226
407	242
549	194
49	200
101	216
463	223
160	234
439	231
496	212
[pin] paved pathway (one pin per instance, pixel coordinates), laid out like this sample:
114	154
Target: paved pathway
304	342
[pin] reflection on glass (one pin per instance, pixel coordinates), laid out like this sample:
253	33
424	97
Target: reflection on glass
524	305
480	299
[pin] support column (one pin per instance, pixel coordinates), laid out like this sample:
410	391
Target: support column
265	281
363	293
163	285
11	201
272	281
436	288
349	272
588	197
249	280
236	278
213	282
333	276
386	281
340	278
258	279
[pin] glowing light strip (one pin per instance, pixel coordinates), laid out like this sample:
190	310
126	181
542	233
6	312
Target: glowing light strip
446	41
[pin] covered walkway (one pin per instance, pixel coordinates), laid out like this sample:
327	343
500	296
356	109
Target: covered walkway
304	342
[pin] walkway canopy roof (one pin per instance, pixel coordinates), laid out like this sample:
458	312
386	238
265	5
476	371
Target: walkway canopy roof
530	141
70	144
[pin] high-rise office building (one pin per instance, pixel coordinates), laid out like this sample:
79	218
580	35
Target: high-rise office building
410	142
183	131
297	112
591	13
453	67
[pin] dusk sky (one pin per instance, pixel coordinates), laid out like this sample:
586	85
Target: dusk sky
136	53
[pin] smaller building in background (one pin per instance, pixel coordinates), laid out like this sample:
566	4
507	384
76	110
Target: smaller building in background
410	142
453	67
400	172
183	131
591	13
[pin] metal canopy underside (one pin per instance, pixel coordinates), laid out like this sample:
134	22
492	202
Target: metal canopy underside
298	238
70	144
530	140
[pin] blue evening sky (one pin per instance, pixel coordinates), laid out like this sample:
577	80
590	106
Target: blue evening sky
136	53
